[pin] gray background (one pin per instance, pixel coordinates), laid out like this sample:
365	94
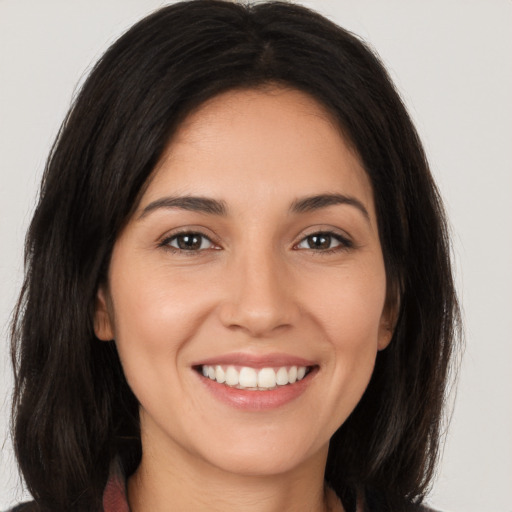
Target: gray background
451	60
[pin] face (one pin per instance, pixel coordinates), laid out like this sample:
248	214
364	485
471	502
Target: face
246	295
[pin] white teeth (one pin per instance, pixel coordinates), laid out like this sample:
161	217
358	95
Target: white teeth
267	378
232	377
292	374
220	375
282	377
250	378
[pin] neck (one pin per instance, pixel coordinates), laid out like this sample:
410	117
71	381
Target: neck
178	479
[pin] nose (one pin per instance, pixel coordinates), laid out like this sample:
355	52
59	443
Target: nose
259	295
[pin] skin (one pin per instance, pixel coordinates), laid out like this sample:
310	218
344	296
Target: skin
254	286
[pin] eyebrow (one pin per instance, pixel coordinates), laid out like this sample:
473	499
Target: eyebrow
190	203
216	207
312	203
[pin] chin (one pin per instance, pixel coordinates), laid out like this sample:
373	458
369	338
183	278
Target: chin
265	454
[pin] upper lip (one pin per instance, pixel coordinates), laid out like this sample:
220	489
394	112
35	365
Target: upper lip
255	361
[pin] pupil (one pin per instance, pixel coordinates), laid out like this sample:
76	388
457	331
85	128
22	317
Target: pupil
319	241
188	242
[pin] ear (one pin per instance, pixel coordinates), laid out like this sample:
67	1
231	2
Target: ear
103	324
385	335
388	321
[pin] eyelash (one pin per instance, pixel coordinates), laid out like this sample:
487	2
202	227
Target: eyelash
166	243
344	243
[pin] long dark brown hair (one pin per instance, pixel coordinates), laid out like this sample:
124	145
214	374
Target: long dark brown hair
73	412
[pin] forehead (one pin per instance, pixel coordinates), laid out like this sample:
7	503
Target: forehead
252	143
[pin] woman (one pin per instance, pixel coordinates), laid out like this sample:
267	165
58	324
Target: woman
238	289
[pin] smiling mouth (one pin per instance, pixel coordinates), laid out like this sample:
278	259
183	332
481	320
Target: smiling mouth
251	379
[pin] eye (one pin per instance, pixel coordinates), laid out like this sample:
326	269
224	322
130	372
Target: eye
188	242
324	241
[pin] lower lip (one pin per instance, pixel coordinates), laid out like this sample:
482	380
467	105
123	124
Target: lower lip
251	400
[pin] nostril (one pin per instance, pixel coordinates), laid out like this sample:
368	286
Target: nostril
257	322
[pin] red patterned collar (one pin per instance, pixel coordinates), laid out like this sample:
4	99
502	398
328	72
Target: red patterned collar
114	496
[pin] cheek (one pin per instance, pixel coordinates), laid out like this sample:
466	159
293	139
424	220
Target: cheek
349	306
152	303
157	313
349	313
147	314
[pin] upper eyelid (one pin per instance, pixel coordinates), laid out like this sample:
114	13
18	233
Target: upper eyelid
338	234
165	243
325	230
331	232
169	235
345	241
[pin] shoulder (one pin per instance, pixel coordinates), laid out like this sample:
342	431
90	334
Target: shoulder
421	508
29	506
375	502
